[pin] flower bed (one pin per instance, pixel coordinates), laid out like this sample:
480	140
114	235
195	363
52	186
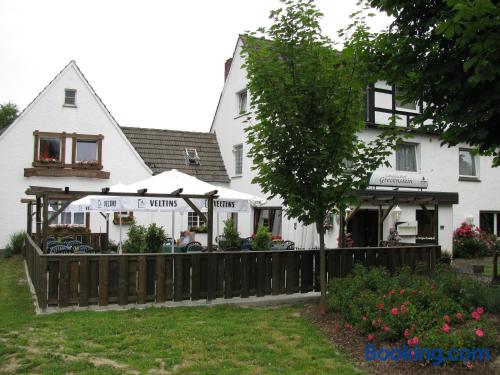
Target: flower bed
442	311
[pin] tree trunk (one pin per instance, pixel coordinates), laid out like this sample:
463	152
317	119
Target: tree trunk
495	276
322	263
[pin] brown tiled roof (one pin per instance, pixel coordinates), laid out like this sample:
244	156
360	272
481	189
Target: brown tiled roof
163	150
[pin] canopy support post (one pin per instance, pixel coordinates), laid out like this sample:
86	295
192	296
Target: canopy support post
380	225
45	224
29	219
38	217
436	224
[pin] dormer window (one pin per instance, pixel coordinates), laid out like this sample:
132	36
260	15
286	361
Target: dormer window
192	157
70	97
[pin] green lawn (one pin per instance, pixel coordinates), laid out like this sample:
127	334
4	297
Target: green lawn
221	340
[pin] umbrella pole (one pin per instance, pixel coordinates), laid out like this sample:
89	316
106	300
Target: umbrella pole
173	231
120	219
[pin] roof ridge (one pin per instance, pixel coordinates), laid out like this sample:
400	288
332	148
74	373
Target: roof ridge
166	130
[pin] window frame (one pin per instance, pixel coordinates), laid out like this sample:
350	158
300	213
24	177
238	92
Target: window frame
199	221
191	159
417	162
496	221
63	136
37	162
238	150
475	159
66	104
239	101
86	137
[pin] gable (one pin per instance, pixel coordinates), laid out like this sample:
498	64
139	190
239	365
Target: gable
163	150
47	113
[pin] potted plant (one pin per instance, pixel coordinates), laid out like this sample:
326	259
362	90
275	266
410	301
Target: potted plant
262	239
231	235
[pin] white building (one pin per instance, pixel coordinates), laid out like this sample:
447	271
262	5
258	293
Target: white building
447	170
67	137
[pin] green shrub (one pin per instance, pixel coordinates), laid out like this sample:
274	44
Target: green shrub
155	237
262	239
8	251
16	241
15	245
231	235
136	242
470	242
438	310
200	229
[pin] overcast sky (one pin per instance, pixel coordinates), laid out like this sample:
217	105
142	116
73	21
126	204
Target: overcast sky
153	63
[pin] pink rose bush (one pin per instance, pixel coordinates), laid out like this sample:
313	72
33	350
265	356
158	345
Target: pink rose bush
412	309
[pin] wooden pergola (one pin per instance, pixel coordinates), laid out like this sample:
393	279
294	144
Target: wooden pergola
43	195
385	200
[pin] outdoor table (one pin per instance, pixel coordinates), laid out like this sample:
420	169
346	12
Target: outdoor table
177	249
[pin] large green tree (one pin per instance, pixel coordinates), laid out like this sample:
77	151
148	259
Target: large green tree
446	53
8	113
308	105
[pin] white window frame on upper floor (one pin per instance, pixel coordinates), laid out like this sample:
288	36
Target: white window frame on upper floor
476	159
417	158
239	110
66	97
238	159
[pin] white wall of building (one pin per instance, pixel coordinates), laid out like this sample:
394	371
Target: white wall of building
47	114
439	164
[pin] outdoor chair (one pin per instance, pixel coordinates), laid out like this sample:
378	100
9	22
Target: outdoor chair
219	238
194	246
246	244
73	244
50	244
67	239
86	249
60	249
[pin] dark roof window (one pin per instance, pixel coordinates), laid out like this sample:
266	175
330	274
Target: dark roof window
192	157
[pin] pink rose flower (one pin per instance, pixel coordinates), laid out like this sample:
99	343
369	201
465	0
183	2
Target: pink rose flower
479	333
386	329
447	318
459	316
394	311
475	315
403	309
370	337
406	333
445	328
365	318
480	310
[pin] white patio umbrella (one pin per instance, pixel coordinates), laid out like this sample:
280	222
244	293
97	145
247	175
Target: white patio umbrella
84	205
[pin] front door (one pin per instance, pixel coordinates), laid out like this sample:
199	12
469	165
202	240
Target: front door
364	228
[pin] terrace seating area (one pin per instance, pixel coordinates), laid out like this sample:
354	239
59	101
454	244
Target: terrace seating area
67	245
222	244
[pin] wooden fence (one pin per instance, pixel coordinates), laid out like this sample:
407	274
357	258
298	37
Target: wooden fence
102	279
